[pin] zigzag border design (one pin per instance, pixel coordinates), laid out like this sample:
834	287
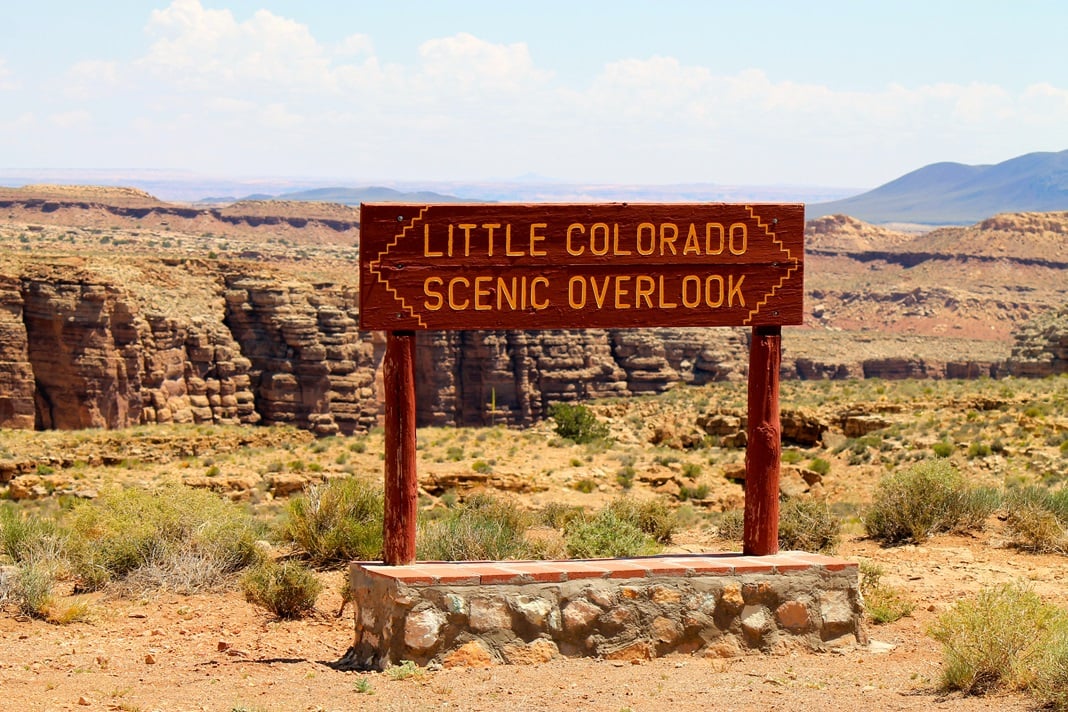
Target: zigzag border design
789	257
375	266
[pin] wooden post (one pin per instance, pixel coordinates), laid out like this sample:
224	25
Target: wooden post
764	450
402	487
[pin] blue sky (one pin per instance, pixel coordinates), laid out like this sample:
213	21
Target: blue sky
848	94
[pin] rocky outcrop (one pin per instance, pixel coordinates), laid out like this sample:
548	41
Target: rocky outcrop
1041	347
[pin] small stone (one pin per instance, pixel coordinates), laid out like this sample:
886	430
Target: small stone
222	646
754	621
470	654
732	596
664	595
599	597
666	630
150	659
836	613
634	652
489	614
537	651
84	701
455	603
793	616
421	629
630	592
533	609
579	615
725	648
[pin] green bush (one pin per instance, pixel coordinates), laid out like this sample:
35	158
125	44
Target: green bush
27	539
1038	519
586	485
625	476
607	535
928	498
337	522
652	516
884	604
577	423
481	528
178	538
819	466
993	638
1049	682
808	525
288	589
942	449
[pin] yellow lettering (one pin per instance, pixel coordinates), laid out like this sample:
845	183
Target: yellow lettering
534	283
736	289
709	290
692	246
643	289
504	295
744	239
426	243
578	302
696	282
599	296
490	227
467	228
652	239
667	229
615	242
708	239
535	237
580	228
661	302
480	292
437	296
508	243
453	304
601	228
450	240
620	292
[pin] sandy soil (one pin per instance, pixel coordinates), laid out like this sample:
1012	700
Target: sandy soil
217	652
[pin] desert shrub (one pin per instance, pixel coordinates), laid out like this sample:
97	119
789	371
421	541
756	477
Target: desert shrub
884	604
625	476
336	522
652	516
819	465
691	470
696	492
586	485
26	539
288	589
1049	681
483	527
978	449
992	638
930	497
557	514
942	449
177	538
607	535
808	525
577	423
731	526
1038	519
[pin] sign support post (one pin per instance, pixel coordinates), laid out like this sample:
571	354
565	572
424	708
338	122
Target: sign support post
402	488
763	452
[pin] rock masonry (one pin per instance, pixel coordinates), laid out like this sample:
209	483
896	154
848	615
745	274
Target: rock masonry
619	609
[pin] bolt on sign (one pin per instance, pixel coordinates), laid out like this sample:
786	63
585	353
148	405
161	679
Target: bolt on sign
556	266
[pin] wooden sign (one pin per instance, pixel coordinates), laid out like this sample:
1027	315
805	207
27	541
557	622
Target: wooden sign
508	266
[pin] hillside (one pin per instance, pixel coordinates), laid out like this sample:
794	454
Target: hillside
953	193
120	309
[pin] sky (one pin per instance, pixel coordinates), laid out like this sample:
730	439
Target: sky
834	93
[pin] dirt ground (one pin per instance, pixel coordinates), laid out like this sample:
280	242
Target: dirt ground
217	652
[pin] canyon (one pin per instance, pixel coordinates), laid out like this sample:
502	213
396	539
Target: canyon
117	309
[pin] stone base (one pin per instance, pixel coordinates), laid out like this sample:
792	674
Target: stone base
482	613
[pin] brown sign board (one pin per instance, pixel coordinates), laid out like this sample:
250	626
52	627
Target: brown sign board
572	266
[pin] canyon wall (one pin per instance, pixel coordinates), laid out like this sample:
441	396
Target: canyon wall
111	345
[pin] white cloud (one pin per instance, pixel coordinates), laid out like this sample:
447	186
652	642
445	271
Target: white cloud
468	62
70	119
91	78
7	79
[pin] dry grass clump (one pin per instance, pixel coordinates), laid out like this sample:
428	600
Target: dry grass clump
805	524
883	603
178	538
288	588
337	522
928	498
1038	519
1003	636
482	528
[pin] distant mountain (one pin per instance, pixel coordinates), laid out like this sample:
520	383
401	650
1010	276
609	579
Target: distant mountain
355	196
957	194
